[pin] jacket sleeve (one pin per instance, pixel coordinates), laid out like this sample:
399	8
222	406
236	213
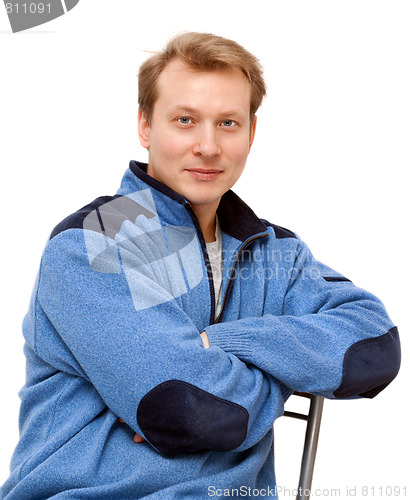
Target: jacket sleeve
333	339
148	365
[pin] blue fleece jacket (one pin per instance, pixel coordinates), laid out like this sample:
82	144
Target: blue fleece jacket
123	292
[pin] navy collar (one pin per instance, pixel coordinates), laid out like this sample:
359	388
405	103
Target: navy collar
236	218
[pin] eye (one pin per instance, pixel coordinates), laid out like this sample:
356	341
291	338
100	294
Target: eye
185	120
228	123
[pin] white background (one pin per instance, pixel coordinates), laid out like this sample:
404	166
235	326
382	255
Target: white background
330	162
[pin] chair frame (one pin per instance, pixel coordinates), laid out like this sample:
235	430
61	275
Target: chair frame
313	420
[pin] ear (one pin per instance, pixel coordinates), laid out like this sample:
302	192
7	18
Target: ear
252	132
143	129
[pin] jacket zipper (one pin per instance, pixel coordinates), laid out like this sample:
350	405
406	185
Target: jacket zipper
231	279
206	258
201	237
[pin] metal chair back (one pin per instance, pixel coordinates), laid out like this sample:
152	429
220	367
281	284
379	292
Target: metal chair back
313	420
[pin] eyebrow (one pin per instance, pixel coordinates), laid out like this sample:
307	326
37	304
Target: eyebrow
184	109
190	110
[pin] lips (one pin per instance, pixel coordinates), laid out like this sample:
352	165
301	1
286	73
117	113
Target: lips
204	174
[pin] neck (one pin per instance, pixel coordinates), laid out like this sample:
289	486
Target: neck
207	221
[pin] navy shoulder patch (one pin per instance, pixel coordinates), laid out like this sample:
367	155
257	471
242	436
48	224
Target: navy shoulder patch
104	215
178	417
76	220
280	232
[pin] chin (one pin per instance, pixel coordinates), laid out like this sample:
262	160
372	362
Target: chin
195	196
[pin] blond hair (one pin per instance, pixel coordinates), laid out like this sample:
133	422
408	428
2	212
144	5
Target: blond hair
203	52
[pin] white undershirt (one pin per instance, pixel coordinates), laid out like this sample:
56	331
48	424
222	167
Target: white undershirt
214	250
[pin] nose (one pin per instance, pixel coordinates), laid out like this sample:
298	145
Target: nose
207	142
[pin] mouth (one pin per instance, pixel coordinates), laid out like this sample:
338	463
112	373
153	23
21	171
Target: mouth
204	174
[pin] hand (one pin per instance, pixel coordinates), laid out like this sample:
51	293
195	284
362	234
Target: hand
137	438
205	340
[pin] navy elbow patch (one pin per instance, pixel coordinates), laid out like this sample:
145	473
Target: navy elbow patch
177	417
370	365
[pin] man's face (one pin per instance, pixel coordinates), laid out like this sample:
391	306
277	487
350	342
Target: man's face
200	133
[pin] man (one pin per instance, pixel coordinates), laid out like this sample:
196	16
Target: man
169	324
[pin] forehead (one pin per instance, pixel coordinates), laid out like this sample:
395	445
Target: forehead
181	85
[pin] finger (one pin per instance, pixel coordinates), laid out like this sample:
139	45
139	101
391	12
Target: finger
138	439
121	420
205	340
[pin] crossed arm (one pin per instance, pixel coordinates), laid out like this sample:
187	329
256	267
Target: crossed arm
137	437
137	360
149	366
